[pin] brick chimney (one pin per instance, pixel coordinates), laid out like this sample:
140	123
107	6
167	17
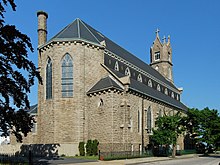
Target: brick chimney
42	27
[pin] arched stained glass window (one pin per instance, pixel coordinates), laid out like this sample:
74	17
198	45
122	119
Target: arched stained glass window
149	120
49	79
127	72
139	78
67	76
149	83
116	66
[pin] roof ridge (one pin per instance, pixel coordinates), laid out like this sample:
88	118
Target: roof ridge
110	81
89	30
61	32
78	29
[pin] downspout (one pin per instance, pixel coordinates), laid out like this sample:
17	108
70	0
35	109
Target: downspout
142	126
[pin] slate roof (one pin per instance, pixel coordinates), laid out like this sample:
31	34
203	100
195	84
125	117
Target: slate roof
79	30
103	84
149	91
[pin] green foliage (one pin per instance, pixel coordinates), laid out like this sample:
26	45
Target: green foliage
17	74
168	130
89	148
204	125
95	144
81	149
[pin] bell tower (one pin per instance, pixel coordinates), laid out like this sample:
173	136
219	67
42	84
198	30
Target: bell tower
161	57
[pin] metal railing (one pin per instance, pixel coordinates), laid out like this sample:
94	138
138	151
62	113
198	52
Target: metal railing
115	155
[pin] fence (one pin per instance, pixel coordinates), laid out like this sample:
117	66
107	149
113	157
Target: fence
12	159
123	155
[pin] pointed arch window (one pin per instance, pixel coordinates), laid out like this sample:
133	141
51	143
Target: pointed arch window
166	91
172	95
116	66
149	83
139	78
130	124
49	79
67	76
160	113
127	72
158	87
169	56
149	120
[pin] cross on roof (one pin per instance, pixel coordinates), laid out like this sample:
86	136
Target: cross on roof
164	39
157	31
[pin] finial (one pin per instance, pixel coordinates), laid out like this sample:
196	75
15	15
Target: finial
157	32
168	39
164	39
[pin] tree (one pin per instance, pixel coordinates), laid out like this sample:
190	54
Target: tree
204	125
168	129
17	74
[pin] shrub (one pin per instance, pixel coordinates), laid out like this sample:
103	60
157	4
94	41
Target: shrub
81	148
89	148
95	144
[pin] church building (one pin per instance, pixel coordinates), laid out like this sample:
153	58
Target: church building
95	89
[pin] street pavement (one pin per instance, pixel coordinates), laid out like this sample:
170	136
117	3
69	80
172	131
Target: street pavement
208	160
135	161
191	159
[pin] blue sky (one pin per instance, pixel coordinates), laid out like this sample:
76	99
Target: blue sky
194	27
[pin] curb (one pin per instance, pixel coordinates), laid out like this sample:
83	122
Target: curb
156	159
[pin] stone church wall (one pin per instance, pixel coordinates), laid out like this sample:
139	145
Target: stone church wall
115	123
63	118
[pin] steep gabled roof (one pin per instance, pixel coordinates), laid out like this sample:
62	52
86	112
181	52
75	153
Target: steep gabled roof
79	30
104	84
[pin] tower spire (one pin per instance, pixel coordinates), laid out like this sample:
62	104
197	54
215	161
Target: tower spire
161	56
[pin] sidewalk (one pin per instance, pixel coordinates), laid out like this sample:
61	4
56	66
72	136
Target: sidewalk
137	160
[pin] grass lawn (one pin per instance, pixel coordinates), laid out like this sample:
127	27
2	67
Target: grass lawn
84	157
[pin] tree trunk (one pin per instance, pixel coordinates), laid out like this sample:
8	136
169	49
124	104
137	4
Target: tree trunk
174	151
